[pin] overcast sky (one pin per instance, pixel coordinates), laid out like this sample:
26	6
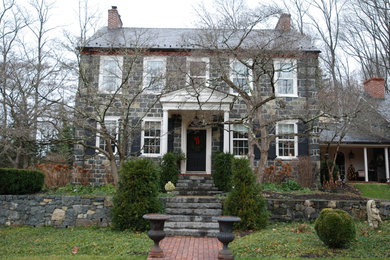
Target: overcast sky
135	13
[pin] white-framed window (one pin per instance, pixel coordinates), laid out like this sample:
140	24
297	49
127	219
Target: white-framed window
197	71
112	126
287	140
241	76
286	78
154	74
151	137
239	140
110	73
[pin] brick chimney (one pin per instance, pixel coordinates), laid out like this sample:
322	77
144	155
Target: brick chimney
114	19
375	87
284	23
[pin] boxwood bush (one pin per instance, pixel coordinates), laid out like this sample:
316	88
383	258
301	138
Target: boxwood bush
20	181
335	228
222	171
137	195
169	170
245	200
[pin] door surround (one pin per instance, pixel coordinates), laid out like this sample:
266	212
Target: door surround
184	128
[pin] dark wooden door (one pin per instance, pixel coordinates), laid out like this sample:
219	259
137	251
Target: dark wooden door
196	150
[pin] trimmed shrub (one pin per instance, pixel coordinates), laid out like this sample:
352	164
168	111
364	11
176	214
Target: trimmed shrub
324	171
335	228
169	170
222	171
136	195
18	181
245	200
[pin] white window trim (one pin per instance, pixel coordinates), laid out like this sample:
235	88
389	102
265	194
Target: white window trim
148	119
119	60
295	123
198	59
250	78
232	142
144	81
108	118
295	77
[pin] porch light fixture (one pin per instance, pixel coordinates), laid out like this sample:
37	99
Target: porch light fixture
351	155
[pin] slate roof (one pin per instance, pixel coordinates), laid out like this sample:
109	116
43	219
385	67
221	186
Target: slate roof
354	136
182	38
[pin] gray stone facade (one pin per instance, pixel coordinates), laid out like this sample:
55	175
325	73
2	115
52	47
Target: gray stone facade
148	106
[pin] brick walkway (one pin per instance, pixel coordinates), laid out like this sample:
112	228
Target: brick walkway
190	248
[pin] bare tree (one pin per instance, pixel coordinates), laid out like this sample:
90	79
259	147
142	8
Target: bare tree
231	32
367	36
31	81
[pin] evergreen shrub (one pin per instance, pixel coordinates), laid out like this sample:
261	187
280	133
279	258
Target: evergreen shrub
222	171
137	195
245	200
20	181
169	170
335	228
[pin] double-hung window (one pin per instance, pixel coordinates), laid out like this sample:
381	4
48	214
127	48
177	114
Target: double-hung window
285	78
240	76
111	133
110	74
287	139
197	71
154	74
240	140
151	137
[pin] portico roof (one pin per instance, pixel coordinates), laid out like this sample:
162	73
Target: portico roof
196	99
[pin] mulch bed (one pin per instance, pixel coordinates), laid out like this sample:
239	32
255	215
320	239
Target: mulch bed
343	192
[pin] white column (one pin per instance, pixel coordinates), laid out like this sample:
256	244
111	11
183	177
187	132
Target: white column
387	164
365	165
164	133
226	133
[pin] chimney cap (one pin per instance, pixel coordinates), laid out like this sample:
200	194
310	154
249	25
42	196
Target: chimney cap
114	7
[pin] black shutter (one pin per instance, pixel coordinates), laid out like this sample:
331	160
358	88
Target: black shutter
171	134
256	152
90	137
272	151
136	140
303	143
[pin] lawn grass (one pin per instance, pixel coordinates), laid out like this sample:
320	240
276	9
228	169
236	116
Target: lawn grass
295	240
279	240
374	190
89	242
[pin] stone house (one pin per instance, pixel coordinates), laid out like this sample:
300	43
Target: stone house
166	90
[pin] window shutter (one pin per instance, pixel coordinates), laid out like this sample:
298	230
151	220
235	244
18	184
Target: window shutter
303	143
272	151
256	152
272	147
171	134
136	140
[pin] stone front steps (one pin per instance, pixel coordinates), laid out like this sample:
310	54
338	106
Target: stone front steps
193	208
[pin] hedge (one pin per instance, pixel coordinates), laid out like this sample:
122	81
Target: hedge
20	181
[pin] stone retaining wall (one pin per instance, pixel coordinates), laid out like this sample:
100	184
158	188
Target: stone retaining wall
67	211
58	211
297	210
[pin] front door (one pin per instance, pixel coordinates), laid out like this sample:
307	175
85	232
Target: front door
196	150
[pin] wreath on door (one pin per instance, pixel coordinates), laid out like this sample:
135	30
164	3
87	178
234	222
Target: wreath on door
195	144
